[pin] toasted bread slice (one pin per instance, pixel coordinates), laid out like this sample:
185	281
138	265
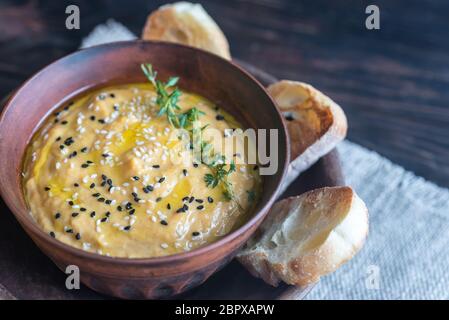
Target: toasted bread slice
306	237
315	123
188	24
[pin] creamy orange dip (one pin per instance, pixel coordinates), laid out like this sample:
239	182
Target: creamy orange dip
98	176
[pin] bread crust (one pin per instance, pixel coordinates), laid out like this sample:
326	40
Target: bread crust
315	123
189	24
306	237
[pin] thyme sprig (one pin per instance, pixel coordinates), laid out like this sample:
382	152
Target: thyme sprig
167	100
167	94
219	174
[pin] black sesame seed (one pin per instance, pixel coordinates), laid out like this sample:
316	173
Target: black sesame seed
219	117
69	231
57	215
131	212
103	183
210	199
75	214
156	166
61	146
112	95
92	185
52	234
68	141
101	199
289	117
71	203
96	195
64	122
127	228
92	214
195	165
161	179
185	207
76	184
191	199
119	208
47	188
103	177
89	162
104	219
134	194
168	206
108	214
115	107
195	233
144	189
199	200
180	210
73	154
158	199
101	121
135	178
185	198
105	155
92	118
84	165
58	139
82	209
109	182
200	207
108	201
129	206
164	223
77	236
56	120
150	188
184	172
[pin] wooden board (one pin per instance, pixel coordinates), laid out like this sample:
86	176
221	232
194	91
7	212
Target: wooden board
26	273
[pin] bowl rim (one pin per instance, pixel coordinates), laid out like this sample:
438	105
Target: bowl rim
32	226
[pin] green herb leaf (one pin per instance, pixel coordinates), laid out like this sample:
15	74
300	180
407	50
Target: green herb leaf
211	180
220	175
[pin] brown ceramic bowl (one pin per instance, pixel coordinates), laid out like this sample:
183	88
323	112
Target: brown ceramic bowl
206	74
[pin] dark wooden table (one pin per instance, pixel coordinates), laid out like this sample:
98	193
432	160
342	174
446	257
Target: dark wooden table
393	82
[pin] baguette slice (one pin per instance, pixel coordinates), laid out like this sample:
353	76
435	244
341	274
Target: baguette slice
306	237
315	123
189	24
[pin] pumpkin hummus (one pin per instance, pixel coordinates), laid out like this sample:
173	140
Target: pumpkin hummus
99	176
